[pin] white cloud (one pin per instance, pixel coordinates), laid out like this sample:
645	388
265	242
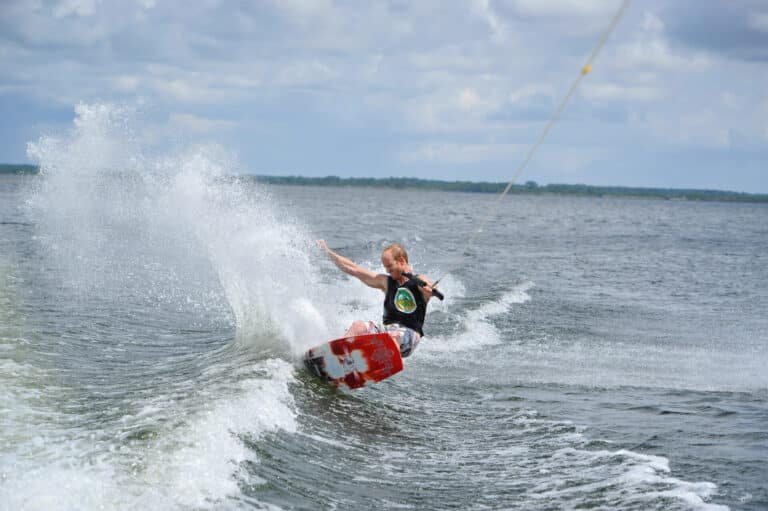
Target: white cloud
560	160
692	129
189	90
758	21
570	160
469	100
198	87
617	92
652	24
563	8
762	119
451	58
200	125
75	7
304	11
70	23
483	9
303	73
705	127
460	154
452	110
184	91
731	100
651	51
532	90
125	83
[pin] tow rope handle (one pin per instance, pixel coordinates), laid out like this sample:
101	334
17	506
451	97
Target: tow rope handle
437	294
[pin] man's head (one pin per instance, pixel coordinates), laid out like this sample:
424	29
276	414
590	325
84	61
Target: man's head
397	251
394	258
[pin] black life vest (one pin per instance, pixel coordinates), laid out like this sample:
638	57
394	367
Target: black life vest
404	305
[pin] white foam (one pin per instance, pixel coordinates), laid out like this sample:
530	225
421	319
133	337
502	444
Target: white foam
477	328
622	476
169	229
196	464
204	466
173	229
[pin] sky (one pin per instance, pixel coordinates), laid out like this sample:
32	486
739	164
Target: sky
433	89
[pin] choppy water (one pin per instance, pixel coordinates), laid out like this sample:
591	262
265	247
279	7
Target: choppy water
591	353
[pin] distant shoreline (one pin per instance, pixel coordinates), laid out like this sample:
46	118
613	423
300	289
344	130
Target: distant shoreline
10	168
530	187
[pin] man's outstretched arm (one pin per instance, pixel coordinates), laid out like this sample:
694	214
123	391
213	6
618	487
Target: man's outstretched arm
346	265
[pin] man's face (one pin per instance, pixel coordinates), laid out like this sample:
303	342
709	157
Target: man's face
393	266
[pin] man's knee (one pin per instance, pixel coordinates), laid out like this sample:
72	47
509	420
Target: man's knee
358	328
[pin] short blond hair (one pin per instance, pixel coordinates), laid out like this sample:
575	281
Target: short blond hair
397	251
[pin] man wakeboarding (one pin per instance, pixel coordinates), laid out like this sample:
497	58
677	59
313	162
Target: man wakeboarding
405	296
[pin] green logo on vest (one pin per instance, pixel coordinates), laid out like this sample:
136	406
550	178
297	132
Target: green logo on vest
404	300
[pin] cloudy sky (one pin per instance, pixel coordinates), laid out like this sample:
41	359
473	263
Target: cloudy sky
425	88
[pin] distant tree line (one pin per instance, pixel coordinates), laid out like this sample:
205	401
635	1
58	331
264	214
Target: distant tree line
529	187
6	168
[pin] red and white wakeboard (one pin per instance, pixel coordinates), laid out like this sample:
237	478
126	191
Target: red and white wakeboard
355	361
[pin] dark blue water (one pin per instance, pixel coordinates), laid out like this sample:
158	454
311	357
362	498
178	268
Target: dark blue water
591	353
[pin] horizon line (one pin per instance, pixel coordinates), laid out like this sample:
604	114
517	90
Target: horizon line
529	185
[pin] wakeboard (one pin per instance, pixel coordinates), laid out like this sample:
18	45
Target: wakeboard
355	361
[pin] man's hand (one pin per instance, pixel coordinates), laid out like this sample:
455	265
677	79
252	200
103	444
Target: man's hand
426	288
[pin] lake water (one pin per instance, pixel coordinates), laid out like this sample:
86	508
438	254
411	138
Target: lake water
590	353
